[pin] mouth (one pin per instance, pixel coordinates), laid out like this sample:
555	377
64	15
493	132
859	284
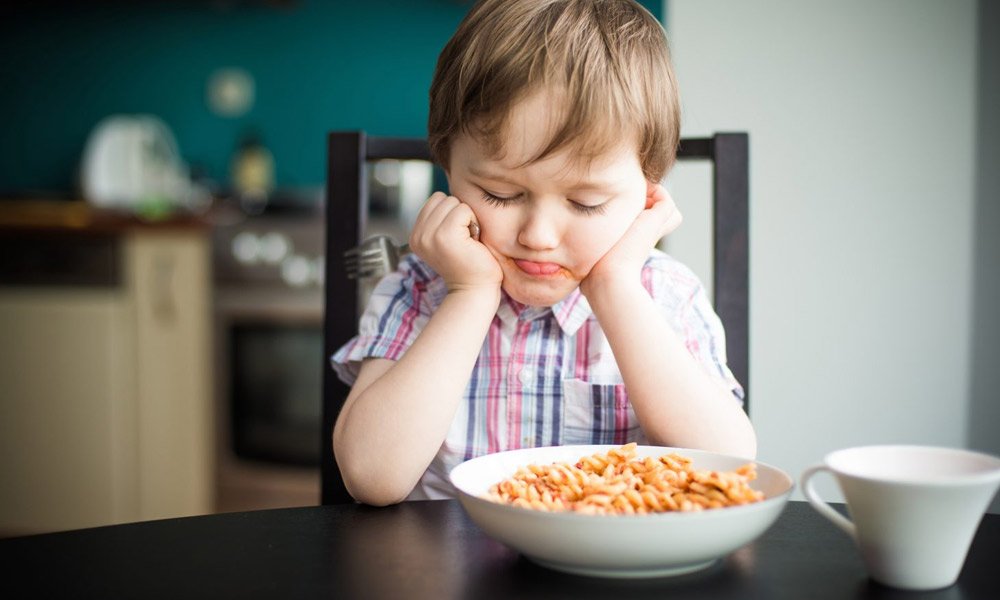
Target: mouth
540	269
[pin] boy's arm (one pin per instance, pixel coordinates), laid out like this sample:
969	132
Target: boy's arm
676	401
397	414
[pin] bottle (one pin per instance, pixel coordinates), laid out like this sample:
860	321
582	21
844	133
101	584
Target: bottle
252	173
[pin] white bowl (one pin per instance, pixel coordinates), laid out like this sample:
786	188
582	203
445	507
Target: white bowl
651	545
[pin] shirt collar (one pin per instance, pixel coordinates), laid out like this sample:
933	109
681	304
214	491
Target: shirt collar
570	313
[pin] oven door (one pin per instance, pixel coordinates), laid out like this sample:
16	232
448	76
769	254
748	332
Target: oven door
269	409
274	376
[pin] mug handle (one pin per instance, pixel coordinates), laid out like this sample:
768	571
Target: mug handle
820	505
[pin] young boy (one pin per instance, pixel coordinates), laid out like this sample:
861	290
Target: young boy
555	121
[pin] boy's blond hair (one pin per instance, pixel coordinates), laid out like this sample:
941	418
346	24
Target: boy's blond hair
606	63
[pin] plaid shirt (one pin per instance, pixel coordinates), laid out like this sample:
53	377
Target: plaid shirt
545	376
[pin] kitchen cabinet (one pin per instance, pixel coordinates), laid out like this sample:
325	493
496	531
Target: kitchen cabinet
105	382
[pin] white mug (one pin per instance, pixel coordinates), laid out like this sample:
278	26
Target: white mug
913	509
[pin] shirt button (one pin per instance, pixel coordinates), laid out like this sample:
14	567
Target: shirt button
526	376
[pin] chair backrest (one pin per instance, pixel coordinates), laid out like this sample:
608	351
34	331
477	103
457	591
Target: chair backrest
347	202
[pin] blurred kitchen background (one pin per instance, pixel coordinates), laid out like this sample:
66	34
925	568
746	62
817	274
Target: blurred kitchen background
162	166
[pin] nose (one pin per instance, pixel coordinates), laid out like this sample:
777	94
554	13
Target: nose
540	229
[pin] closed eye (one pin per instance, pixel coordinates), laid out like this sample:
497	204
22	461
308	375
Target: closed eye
496	200
587	209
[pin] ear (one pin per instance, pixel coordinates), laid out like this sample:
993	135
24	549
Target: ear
447	178
651	187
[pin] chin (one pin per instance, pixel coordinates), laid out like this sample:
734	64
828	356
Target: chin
540	295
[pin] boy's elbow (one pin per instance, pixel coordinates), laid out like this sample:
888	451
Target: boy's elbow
748	449
739	439
730	446
370	488
744	444
374	497
371	483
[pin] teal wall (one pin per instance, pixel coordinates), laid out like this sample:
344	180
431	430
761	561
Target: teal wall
318	66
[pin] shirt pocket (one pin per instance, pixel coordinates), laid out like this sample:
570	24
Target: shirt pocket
595	413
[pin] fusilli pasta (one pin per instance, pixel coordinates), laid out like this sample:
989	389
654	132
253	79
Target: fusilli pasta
618	482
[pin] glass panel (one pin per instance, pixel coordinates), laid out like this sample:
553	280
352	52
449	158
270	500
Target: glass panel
397	190
276	378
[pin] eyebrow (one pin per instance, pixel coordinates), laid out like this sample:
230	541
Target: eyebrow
582	186
487	175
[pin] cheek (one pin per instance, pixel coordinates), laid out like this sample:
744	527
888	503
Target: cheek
491	220
594	236
486	215
613	225
591	241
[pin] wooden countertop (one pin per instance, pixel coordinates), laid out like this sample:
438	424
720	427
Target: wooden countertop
78	216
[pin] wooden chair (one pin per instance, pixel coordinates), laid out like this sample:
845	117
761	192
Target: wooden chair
347	211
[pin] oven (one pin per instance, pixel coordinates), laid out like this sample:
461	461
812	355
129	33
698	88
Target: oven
268	272
268	307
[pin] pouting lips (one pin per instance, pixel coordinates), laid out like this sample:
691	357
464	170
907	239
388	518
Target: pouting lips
538	268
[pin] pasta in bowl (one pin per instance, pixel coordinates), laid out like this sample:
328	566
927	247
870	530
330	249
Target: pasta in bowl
621	511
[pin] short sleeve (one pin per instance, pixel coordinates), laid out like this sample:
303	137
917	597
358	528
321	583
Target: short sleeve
684	300
397	311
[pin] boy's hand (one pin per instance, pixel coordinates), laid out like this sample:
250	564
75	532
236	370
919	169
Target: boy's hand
623	262
441	236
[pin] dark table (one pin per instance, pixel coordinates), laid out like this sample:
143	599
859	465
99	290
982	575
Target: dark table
426	550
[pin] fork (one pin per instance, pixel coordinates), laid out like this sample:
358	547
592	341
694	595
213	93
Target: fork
373	257
379	255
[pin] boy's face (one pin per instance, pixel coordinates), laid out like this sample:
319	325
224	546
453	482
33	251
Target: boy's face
547	223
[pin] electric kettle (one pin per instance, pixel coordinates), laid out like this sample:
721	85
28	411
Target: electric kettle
132	160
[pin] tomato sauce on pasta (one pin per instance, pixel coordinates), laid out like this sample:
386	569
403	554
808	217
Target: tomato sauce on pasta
618	482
